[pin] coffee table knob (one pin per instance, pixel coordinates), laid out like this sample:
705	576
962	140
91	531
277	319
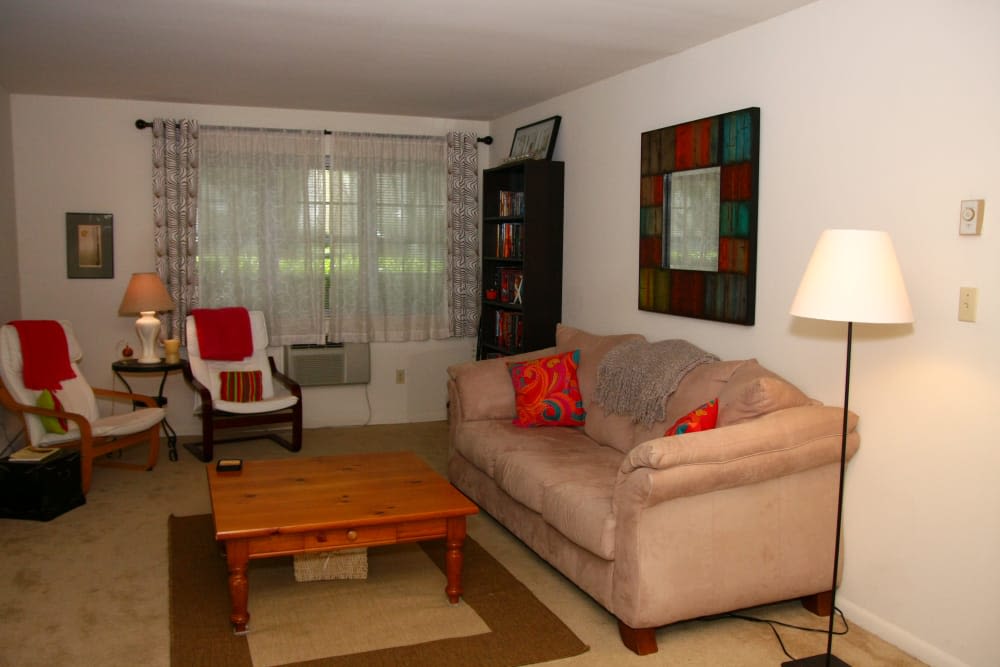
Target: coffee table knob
352	535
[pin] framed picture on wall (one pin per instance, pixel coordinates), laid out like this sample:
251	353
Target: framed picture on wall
698	218
90	245
536	141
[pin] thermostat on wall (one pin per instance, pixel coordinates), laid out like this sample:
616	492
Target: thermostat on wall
970	220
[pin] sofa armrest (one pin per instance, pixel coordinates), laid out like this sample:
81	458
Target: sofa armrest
774	445
484	388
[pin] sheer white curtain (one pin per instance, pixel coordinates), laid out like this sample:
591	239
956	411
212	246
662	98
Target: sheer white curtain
261	234
388	238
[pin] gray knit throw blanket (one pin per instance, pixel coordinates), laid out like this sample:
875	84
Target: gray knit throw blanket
636	377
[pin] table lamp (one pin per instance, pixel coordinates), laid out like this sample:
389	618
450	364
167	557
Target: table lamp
145	296
852	276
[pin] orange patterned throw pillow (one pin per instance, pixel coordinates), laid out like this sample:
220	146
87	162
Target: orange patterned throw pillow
241	386
547	392
702	418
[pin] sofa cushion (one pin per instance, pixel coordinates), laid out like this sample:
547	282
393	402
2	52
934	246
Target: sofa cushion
613	430
546	391
700	385
582	512
753	391
525	473
483	442
484	387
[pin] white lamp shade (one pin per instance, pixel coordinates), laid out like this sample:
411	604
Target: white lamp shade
145	292
144	296
853	276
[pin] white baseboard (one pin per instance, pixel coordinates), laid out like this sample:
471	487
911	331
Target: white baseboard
896	636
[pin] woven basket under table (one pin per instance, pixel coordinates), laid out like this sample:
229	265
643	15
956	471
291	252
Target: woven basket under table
325	565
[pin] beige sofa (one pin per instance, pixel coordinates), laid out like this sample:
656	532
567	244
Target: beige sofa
660	529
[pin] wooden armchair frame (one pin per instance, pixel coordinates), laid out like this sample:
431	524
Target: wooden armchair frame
93	449
213	419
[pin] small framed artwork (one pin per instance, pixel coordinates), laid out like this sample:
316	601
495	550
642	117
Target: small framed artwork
536	141
90	245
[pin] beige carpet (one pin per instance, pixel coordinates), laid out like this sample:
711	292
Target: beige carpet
91	587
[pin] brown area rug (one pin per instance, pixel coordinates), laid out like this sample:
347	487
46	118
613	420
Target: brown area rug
522	630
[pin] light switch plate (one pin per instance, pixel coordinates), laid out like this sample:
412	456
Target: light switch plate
970	218
968	303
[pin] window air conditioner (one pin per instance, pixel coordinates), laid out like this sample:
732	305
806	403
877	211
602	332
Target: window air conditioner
330	364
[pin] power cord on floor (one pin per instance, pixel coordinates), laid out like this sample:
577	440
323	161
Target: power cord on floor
773	625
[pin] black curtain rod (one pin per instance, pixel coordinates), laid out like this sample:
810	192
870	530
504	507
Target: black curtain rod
141	124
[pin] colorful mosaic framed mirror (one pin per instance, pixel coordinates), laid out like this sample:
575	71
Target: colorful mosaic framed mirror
698	218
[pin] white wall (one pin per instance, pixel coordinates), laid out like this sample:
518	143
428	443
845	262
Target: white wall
879	115
81	154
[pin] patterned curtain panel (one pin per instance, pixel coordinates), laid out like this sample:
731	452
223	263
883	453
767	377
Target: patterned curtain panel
463	233
175	203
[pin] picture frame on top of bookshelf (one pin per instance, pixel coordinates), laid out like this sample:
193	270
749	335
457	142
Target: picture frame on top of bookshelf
522	237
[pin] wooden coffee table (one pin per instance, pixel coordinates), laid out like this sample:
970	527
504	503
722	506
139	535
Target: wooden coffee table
302	505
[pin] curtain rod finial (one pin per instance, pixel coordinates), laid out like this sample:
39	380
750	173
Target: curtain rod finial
141	124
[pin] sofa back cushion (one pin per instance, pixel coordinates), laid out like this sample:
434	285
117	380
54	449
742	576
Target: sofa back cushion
485	388
699	386
616	431
753	391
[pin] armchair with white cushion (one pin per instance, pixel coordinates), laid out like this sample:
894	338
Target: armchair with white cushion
68	414
254	393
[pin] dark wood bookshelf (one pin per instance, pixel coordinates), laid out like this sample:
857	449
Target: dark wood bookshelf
522	239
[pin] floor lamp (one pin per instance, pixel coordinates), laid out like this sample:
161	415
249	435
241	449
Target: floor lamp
852	276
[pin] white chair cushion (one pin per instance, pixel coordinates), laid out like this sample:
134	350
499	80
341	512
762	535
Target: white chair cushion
207	371
125	423
256	407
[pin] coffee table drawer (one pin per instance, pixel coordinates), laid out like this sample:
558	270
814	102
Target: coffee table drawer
365	535
292	543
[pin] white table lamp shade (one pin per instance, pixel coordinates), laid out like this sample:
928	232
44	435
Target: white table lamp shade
853	276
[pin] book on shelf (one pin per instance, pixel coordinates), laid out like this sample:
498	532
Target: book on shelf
508	330
510	240
511	203
32	454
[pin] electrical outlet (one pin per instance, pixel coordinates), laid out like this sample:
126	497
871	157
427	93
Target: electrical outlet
400	376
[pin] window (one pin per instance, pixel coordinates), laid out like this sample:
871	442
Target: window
355	231
260	235
387	230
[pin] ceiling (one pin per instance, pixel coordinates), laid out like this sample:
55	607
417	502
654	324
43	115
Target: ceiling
468	59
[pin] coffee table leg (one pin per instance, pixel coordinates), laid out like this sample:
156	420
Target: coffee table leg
453	558
237	557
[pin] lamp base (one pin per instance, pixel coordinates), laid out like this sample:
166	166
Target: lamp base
817	661
148	328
